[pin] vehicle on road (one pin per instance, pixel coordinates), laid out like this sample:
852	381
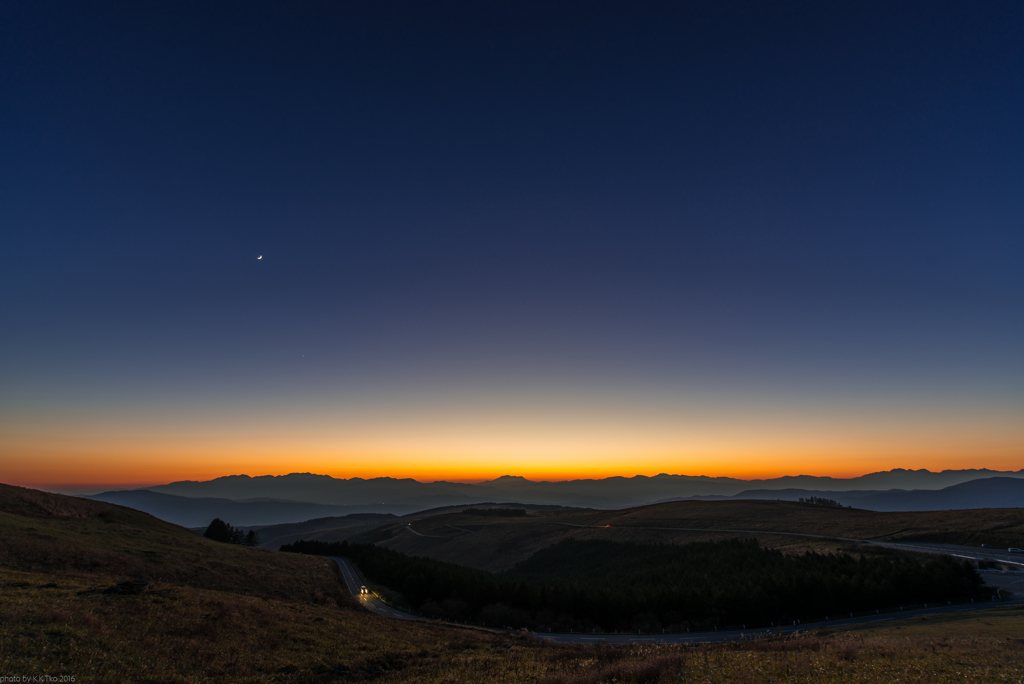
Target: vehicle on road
1014	549
986	546
363	590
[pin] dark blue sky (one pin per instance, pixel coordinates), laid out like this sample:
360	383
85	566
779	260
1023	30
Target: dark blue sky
500	199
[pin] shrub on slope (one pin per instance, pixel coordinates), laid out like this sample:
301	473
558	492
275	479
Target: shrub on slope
42	532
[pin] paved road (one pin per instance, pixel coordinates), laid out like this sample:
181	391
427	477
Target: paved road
1011	582
747	635
971	552
368	601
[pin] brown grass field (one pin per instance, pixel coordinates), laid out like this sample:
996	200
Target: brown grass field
183	634
216	612
498	543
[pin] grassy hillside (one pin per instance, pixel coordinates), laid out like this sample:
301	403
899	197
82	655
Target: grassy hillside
184	635
499	543
196	623
181	634
41	532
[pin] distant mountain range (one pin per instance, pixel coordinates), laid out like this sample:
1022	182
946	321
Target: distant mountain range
612	492
268	500
198	512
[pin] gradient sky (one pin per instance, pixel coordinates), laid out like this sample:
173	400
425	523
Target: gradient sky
547	239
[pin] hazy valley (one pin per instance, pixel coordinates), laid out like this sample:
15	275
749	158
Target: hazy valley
268	500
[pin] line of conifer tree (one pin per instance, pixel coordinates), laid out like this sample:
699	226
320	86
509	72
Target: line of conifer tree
820	501
592	584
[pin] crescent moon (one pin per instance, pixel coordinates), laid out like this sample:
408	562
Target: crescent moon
259	257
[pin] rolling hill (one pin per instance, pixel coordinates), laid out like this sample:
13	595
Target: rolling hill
493	543
190	511
210	611
42	532
217	612
337	528
990	492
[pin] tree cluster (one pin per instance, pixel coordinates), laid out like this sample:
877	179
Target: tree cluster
501	512
591	584
223	532
820	501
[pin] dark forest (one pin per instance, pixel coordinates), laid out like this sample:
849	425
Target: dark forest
588	585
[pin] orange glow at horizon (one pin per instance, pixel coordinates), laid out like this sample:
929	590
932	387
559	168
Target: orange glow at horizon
474	444
130	465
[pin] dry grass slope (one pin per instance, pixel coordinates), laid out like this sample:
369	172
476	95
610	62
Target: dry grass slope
184	635
41	532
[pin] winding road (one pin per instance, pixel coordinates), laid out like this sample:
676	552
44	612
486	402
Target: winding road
368	601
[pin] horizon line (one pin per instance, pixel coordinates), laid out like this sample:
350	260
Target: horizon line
100	486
